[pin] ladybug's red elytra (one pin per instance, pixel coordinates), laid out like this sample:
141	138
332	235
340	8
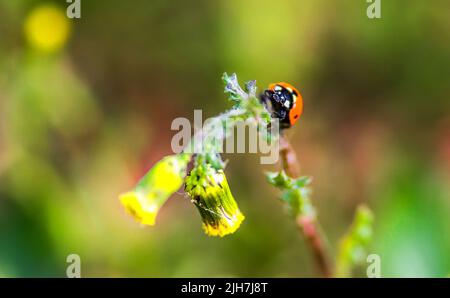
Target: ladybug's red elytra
284	102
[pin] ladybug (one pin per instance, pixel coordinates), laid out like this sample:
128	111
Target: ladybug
284	102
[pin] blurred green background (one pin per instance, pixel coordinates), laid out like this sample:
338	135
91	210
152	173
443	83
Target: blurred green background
86	107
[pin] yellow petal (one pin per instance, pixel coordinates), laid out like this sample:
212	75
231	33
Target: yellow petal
226	226
140	207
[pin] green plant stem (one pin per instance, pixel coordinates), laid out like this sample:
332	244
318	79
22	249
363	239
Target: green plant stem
308	225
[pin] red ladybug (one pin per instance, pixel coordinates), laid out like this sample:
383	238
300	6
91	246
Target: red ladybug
284	102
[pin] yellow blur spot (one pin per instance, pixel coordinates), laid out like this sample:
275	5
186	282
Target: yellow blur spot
47	28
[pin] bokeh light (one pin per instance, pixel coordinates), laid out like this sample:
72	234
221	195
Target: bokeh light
47	28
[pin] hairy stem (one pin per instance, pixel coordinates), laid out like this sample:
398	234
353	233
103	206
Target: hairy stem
308	225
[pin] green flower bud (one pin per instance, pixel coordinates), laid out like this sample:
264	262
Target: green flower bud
209	191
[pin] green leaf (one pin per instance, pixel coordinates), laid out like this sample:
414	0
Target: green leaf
295	192
353	246
279	179
302	181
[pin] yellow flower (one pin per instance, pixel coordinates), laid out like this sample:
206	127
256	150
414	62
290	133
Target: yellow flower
153	190
47	28
210	192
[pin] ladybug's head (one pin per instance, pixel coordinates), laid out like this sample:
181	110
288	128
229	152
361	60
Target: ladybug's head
284	102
